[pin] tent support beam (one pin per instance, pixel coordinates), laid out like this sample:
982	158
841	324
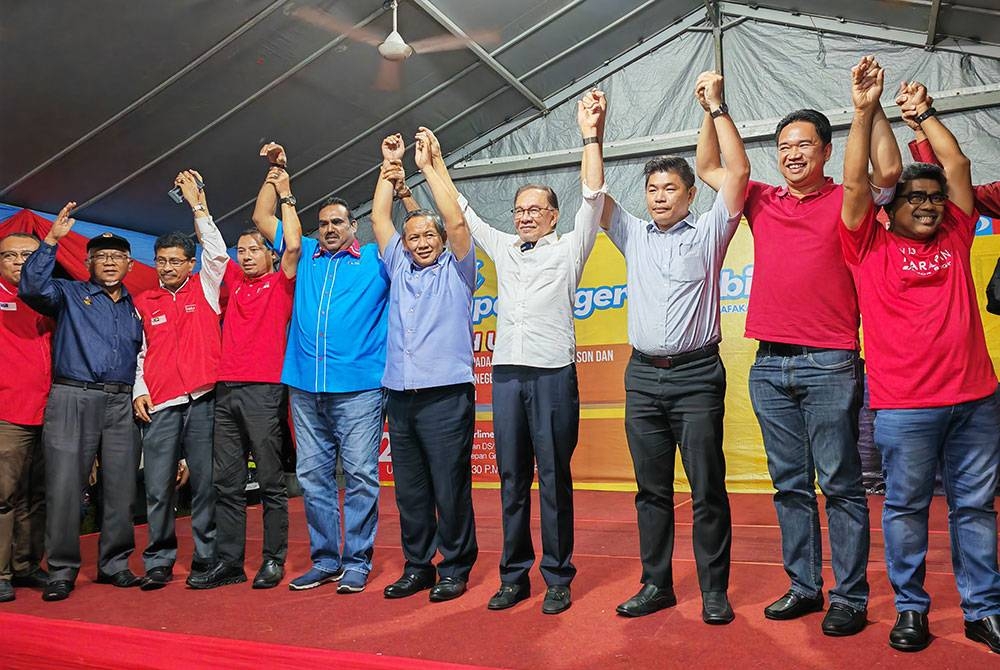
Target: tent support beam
932	24
166	83
481	53
958	100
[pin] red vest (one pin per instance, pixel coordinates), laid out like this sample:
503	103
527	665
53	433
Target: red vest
183	340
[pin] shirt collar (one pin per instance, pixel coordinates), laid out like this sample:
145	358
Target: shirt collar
688	220
827	186
440	260
179	288
94	288
8	287
550	238
353	250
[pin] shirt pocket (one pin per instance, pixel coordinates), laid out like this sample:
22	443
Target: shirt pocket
690	267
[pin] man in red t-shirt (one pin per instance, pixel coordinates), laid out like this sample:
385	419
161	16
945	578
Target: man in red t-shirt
26	360
250	398
931	379
174	383
805	383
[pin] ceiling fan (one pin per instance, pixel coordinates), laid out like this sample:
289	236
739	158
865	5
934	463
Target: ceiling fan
393	48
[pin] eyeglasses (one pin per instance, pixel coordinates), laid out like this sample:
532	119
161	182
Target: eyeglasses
11	255
920	197
172	262
533	212
105	256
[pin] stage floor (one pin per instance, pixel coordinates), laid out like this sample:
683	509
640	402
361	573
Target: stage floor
589	635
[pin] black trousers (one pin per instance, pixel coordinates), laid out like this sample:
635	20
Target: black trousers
664	408
78	422
536	418
248	420
431	436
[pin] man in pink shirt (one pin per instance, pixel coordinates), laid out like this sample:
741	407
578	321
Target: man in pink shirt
931	379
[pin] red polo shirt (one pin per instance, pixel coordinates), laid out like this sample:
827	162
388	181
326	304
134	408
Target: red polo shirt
255	326
924	341
26	357
802	290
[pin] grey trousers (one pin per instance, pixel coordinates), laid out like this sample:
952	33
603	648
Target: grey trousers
78	422
182	431
22	499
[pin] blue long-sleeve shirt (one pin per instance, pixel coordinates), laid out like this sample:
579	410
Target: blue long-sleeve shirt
96	339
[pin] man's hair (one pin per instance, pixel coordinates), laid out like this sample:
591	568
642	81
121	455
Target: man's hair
257	235
818	119
427	214
679	166
175	239
919	171
550	194
27	236
329	202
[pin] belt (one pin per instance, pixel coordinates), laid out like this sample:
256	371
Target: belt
781	349
676	359
107	387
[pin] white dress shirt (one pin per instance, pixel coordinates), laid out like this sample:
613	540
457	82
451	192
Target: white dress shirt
537	288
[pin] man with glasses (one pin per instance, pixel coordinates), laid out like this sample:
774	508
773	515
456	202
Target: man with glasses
333	365
932	382
536	401
26	359
97	338
175	379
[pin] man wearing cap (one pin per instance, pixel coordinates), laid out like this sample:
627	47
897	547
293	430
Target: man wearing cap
26	359
174	385
97	337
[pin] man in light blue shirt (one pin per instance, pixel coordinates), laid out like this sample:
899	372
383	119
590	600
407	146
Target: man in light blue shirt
675	383
431	399
333	367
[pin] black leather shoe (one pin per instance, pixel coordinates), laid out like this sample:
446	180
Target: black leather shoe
58	589
156	578
792	606
911	632
556	599
715	608
270	575
649	599
448	588
842	620
986	630
36	579
407	585
6	591
200	566
221	574
123	579
509	595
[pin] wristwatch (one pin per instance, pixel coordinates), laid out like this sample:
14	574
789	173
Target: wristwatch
723	109
926	115
288	200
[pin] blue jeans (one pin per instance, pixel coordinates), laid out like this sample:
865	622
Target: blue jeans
348	425
965	440
807	406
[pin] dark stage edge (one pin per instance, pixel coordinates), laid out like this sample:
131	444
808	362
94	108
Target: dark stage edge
237	627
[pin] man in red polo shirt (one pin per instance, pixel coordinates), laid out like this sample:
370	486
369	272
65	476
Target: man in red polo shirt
174	386
250	399
805	384
26	360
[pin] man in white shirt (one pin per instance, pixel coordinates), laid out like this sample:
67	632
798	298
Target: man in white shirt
536	406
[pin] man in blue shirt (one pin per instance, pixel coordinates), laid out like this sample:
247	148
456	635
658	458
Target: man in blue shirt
333	366
97	338
431	401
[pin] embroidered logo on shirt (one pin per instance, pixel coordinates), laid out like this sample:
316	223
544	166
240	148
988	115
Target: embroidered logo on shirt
157	320
8	306
189	308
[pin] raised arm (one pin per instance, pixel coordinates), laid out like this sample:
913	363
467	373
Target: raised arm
957	166
708	154
733	177
459	235
391	172
213	248
267	198
37	287
591	111
437	160
886	162
291	228
866	88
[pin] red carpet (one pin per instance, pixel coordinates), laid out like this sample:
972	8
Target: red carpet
236	627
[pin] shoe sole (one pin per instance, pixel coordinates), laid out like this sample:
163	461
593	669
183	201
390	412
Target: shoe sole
265	585
909	647
797	615
397	596
491	606
556	611
978	638
719	621
348	589
843	633
292	586
438	598
632	614
224	582
152	586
